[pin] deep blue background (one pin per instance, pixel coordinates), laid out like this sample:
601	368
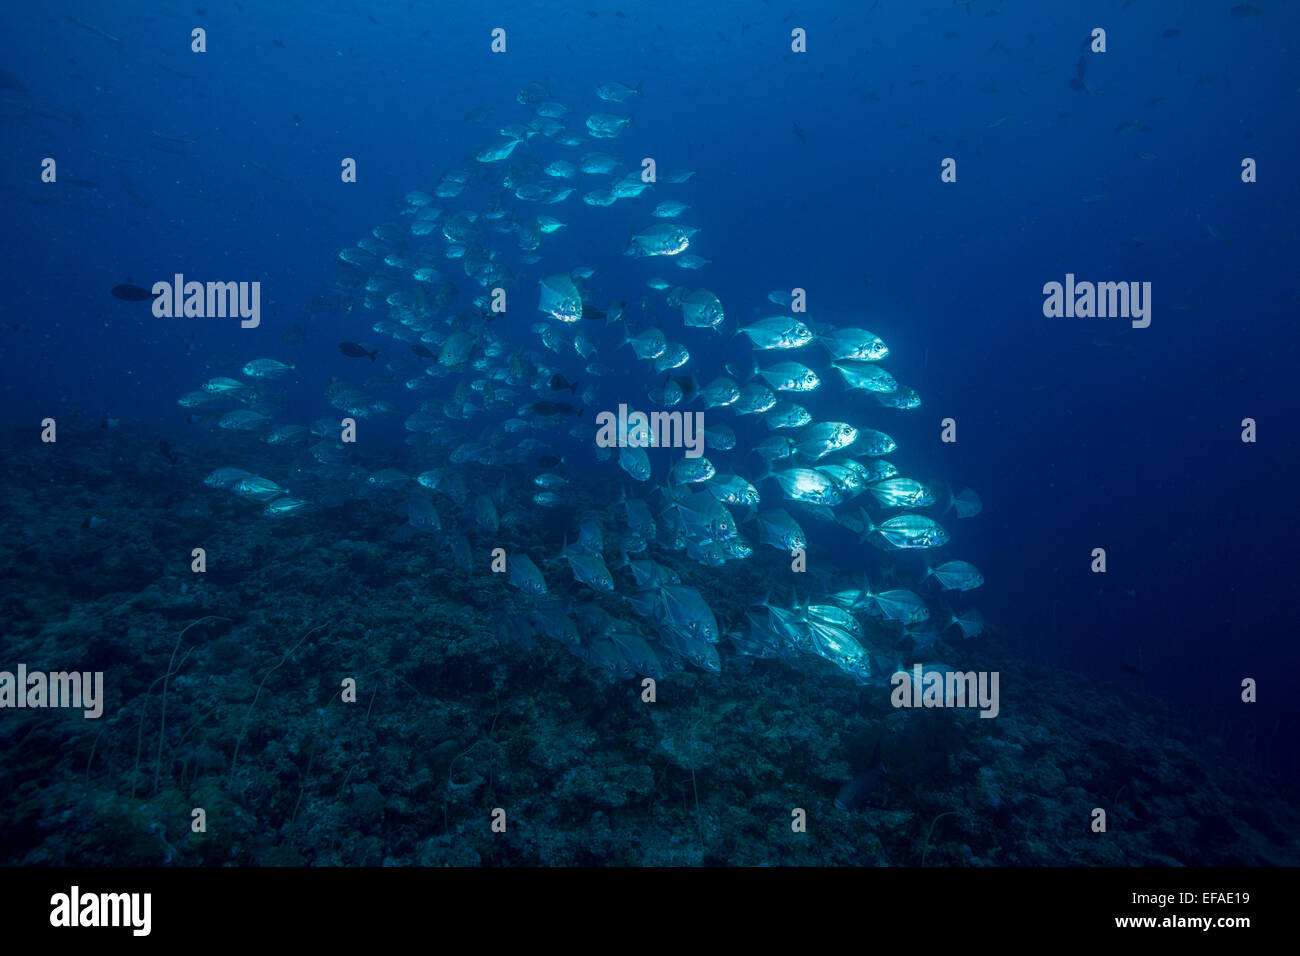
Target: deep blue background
1077	433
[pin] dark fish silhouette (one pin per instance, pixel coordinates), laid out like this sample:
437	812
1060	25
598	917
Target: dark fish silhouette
11	83
131	293
547	409
548	461
559	382
421	351
590	312
352	350
855	794
1077	83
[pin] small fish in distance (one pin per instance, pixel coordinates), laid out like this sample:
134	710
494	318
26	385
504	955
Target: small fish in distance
352	350
131	293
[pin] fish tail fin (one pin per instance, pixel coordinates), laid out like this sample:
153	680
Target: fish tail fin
738	371
943	497
373	353
573	389
945	617
638	88
867	526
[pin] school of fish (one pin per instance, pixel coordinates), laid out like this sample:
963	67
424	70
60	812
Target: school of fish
496	360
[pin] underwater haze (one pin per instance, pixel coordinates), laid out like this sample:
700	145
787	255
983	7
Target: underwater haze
849	433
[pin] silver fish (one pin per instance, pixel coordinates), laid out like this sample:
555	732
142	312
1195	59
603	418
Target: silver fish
525	575
790	377
909	531
778	332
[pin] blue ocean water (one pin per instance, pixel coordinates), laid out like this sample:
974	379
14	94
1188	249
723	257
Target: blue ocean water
819	170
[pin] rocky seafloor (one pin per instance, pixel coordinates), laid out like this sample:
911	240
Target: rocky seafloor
223	692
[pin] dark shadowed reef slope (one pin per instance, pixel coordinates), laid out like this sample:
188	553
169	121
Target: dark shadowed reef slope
451	720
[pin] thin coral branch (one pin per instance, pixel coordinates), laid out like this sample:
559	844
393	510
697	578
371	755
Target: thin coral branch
234	761
930	833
